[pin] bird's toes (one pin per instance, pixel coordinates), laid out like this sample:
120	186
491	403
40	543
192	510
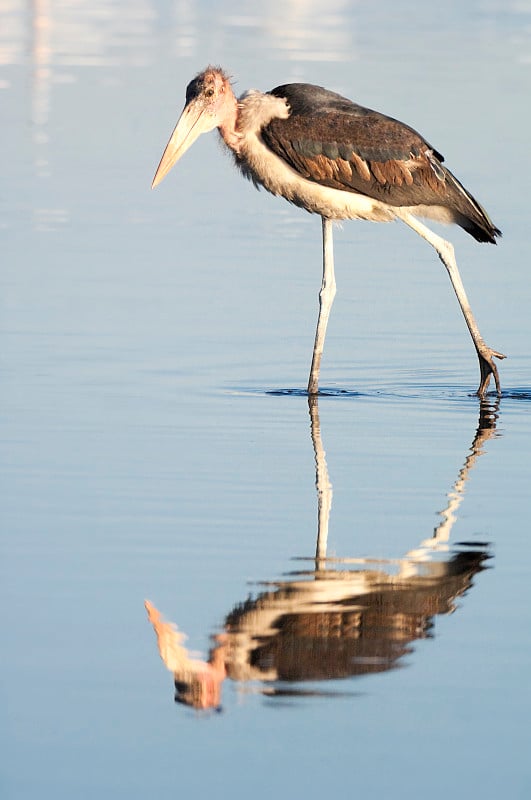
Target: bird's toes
488	368
498	355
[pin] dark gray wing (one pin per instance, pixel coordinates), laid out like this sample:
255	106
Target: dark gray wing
334	142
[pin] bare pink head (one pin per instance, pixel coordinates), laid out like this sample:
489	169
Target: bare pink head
210	103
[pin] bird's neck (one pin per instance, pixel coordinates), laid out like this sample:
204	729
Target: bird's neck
228	128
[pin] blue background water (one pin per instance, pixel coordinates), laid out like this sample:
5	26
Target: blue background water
143	455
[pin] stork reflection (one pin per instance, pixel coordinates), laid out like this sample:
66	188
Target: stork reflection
345	617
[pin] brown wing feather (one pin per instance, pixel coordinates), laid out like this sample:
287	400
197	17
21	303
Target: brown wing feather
352	156
337	143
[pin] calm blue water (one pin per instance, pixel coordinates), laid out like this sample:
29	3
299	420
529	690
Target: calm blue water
156	442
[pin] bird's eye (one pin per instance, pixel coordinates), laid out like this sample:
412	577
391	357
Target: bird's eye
209	92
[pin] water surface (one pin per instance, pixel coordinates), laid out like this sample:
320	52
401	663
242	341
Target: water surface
157	443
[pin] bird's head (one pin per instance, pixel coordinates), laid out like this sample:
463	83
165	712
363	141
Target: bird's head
210	103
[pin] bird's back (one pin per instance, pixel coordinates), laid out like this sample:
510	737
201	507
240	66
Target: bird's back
332	141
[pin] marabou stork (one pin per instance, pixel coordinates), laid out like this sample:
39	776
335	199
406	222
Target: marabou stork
340	160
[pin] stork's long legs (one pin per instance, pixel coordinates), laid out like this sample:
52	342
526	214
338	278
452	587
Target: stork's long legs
326	298
445	251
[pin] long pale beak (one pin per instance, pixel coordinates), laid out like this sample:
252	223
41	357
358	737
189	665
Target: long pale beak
192	123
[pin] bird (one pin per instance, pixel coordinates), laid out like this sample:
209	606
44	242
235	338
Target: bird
332	157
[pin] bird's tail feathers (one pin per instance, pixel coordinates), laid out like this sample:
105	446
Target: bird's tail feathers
471	214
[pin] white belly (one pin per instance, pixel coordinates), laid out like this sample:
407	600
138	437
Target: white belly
266	169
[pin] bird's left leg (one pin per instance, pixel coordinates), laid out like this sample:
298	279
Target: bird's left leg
445	251
326	298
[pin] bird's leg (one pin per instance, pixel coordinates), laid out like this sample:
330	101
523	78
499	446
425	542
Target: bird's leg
445	251
326	298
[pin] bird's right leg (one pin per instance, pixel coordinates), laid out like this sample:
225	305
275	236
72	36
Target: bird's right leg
445	251
326	298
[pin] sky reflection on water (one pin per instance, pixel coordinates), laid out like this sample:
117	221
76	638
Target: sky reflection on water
150	448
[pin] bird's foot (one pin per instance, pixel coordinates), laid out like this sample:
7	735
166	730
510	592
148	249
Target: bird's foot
488	367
